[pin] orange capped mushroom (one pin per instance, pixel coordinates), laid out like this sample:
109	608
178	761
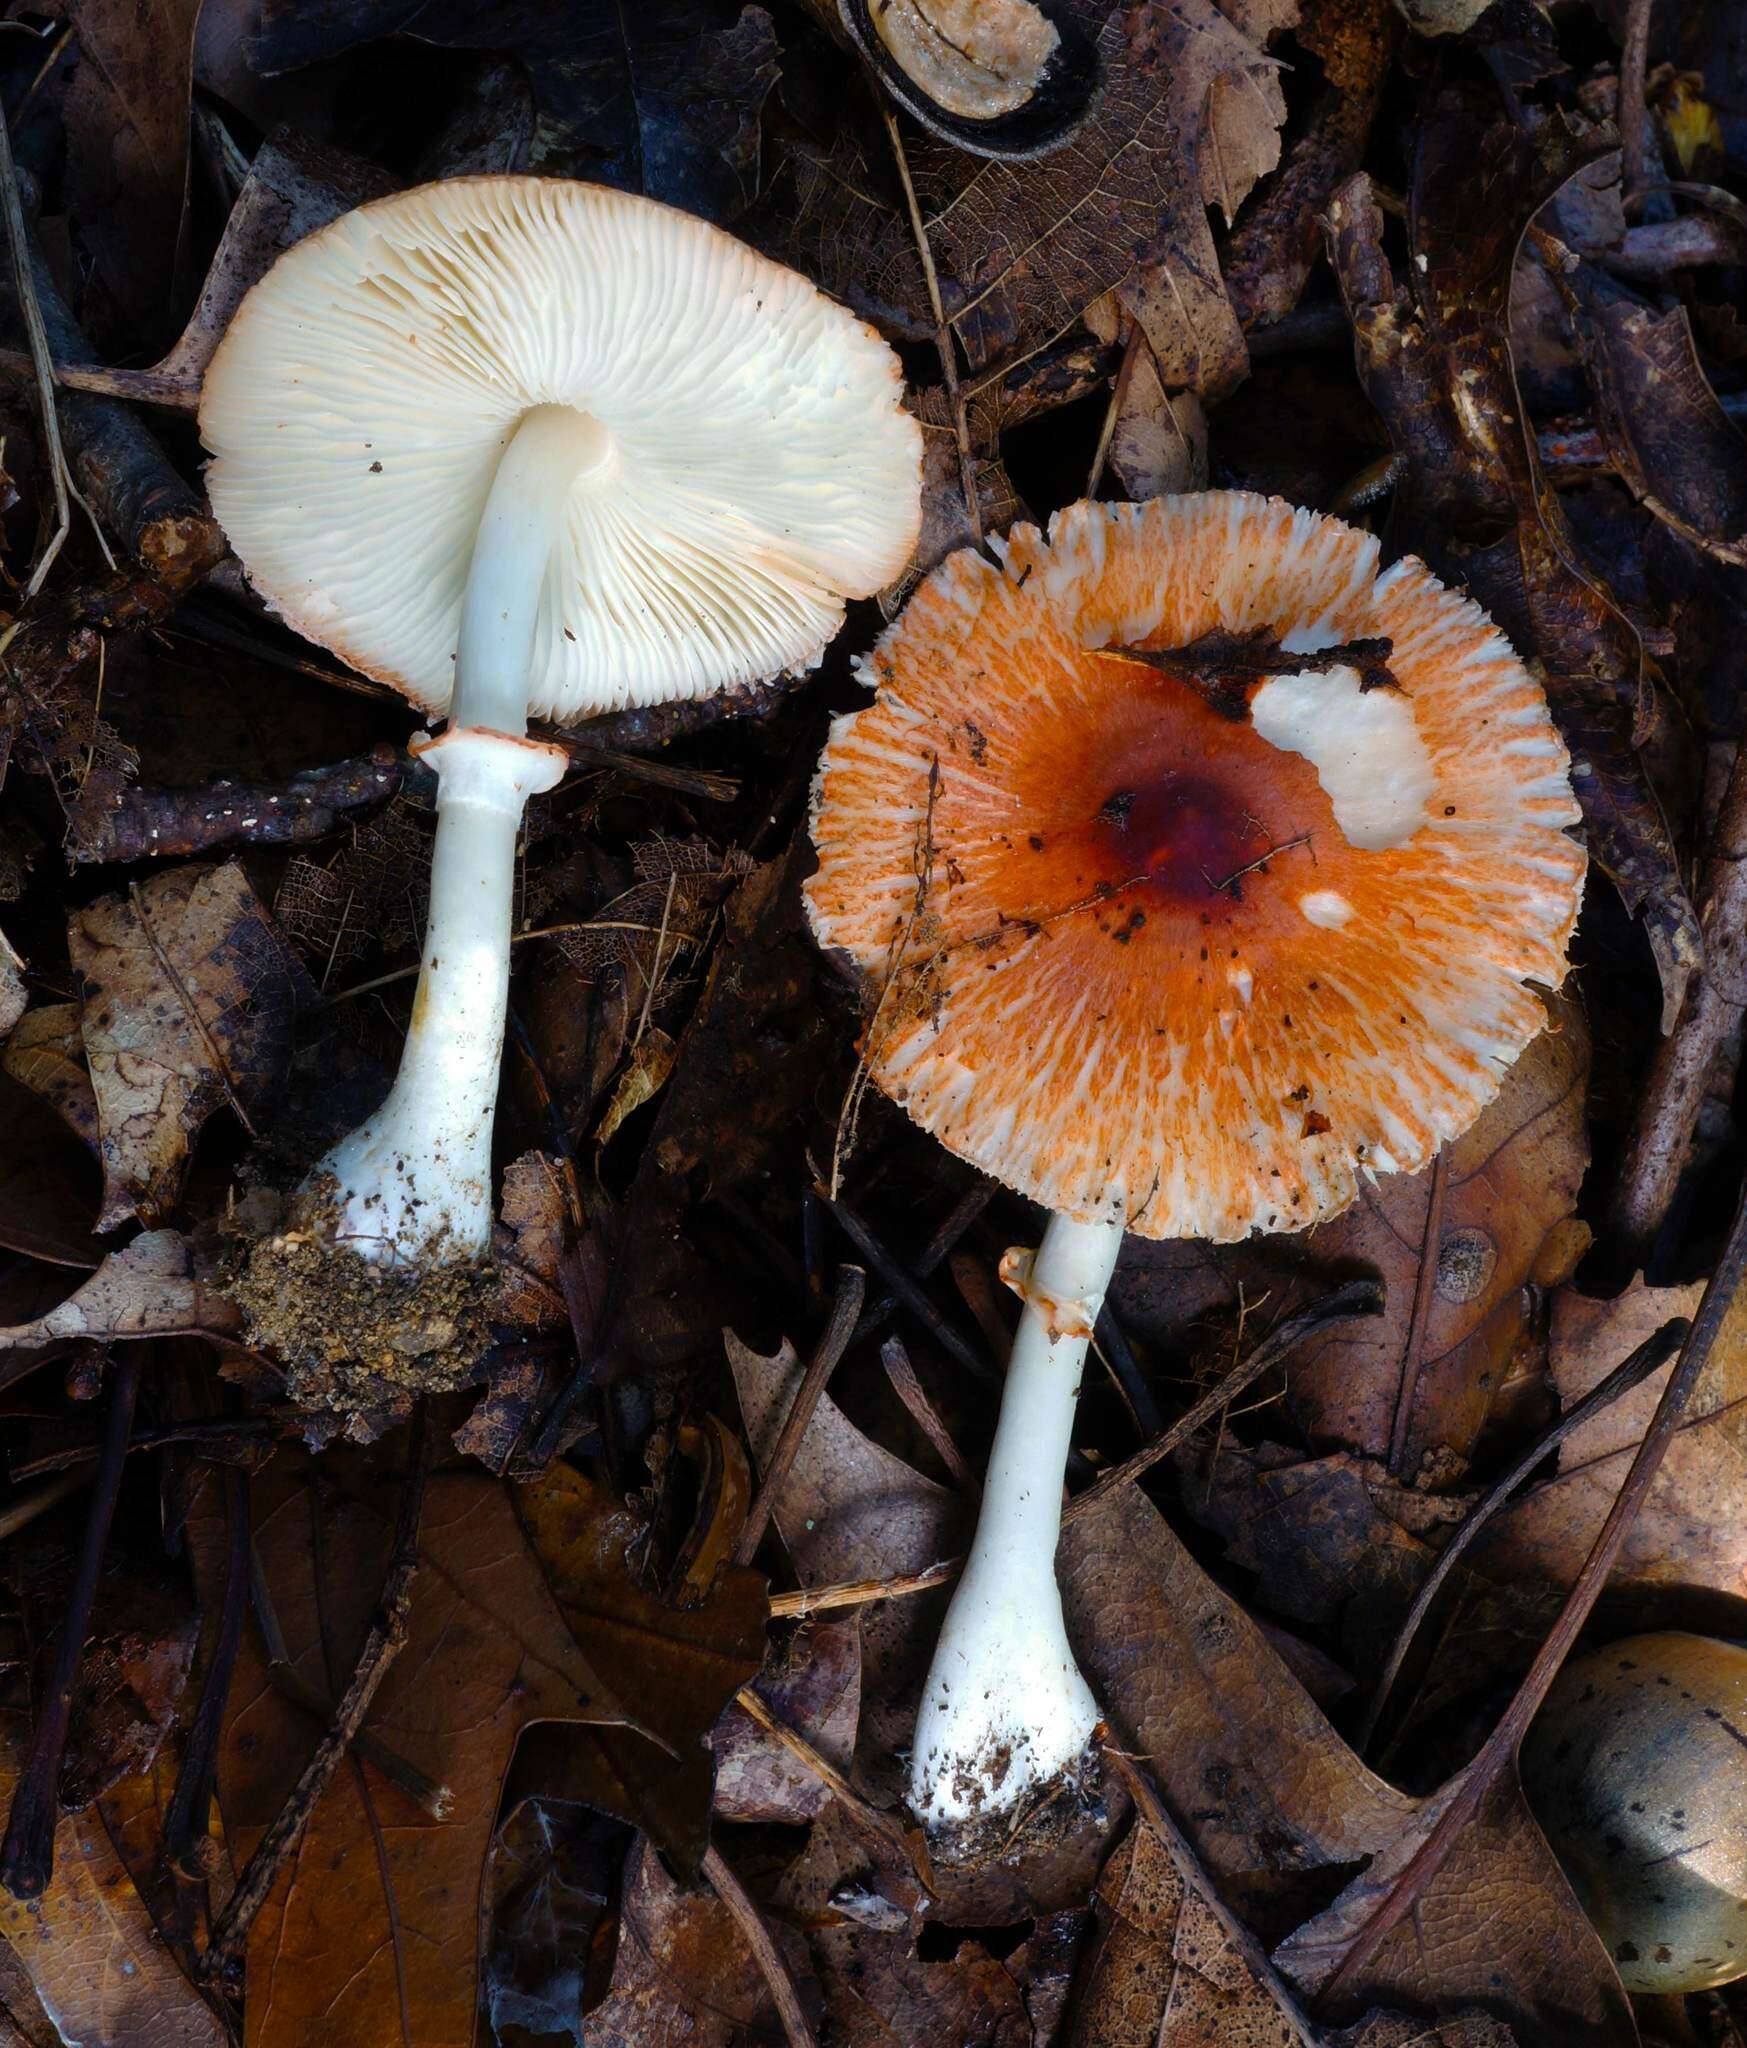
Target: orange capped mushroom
1199	866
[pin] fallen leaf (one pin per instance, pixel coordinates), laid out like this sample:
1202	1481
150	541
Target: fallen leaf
1163	1973
1188	116
48	1197
46	1054
126	115
14	996
375	1920
1691	1531
1159	445
190	993
371	894
685	1977
682	1663
147	1289
553	1918
1497	1925
812	1685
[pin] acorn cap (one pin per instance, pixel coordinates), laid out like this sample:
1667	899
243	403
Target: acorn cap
762	468
1191	940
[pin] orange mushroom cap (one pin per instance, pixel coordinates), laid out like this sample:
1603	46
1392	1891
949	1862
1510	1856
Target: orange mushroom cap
1140	961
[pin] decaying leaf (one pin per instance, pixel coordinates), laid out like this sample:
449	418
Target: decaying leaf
1163	1972
371	894
682	1662
147	1289
46	1054
1160	442
13	993
812	1685
1691	1531
190	993
1188	117
377	1914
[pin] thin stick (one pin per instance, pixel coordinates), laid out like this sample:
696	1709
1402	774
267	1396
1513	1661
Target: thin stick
845	1312
862	1592
1356	1298
27	1856
769	1958
1653	1353
42	362
190	1811
1149	1803
1629	110
1471	1786
909	1389
383	1643
943	340
1425	1286
908	1292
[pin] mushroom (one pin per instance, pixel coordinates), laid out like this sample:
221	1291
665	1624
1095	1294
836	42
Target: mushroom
516	445
1199	866
1636	1769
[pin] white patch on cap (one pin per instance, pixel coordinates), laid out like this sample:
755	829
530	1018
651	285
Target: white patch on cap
1242	980
1326	907
1364	745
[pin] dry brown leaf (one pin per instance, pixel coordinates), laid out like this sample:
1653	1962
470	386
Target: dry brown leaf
13	993
1512	1183
1497	1925
813	1685
1189	116
850	1510
380	1904
1160	442
147	1289
1692	1528
1163	1972
190	994
680	1663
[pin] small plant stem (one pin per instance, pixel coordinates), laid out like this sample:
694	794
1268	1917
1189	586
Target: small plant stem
27	1855
382	1644
845	1313
855	1803
1424	1292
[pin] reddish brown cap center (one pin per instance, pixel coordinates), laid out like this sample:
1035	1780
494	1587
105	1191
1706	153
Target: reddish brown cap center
1193	834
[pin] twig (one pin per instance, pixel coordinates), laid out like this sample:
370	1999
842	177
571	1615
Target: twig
1653	1353
1150	1804
776	1973
910	1391
1668	1110
1471	1787
845	1312
42	364
861	1592
1425	1288
27	1856
383	1643
1629	110
1356	1298
963	1213
149	824
908	1292
942	331
190	1810
437	1800
1110	1342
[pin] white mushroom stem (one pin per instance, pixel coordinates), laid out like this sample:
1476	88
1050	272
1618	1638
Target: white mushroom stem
1005	1713
414	1182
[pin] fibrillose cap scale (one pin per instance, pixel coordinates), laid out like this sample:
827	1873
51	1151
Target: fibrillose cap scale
760	467
1150	962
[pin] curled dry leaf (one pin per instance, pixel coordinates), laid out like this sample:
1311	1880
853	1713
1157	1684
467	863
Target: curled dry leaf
375	1920
1691	1531
190	995
147	1289
1160	441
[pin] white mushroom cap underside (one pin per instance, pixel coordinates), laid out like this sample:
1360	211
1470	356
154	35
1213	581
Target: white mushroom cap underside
1232	1061
763	468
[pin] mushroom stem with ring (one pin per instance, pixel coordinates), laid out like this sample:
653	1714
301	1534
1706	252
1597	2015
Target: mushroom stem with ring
1005	1714
415	1179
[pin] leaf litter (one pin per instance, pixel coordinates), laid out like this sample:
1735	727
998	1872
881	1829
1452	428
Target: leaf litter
615	1781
